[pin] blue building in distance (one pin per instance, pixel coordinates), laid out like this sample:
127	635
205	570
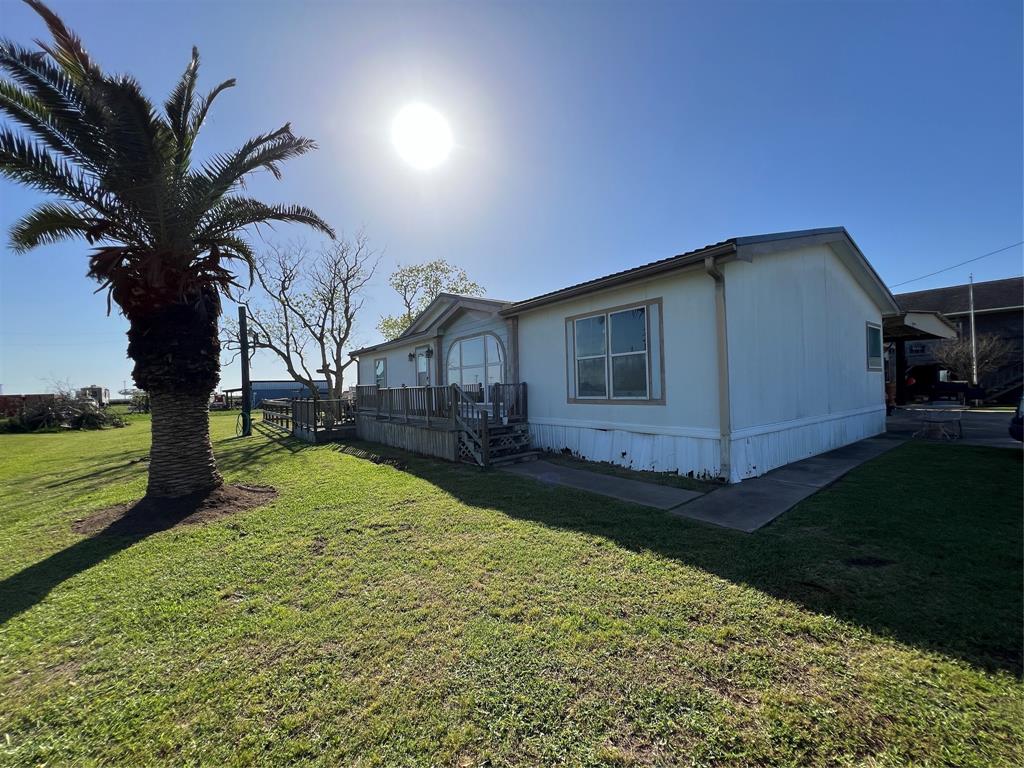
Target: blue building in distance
271	389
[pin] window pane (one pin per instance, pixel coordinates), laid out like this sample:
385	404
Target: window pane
629	331
421	361
629	376
493	353
453	376
874	342
472	376
379	371
494	374
590	336
590	378
473	351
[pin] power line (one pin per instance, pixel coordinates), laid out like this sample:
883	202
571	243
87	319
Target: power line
946	269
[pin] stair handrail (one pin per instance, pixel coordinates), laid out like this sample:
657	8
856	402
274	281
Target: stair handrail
461	402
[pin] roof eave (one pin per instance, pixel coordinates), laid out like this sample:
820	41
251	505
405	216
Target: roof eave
727	248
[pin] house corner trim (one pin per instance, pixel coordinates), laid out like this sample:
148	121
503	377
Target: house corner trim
722	344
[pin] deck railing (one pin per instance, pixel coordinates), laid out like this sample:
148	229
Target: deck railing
278	413
503	403
321	415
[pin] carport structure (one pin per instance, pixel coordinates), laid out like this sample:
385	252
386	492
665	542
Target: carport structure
912	326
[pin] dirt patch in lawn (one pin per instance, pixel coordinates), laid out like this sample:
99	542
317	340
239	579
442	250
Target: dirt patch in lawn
139	518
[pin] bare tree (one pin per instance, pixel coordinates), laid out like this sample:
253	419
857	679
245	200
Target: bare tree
419	284
955	355
304	308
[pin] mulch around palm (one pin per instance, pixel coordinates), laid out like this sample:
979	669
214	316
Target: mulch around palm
151	515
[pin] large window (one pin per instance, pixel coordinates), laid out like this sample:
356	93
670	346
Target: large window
874	344
476	361
380	372
612	356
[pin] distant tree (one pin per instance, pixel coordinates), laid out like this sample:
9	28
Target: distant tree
955	355
305	305
419	284
167	231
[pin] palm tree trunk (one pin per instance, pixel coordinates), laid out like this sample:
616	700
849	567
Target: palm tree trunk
176	351
181	458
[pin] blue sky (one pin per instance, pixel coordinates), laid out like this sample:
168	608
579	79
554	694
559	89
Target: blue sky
590	137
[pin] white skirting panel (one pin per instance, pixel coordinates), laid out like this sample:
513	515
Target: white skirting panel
756	451
694	456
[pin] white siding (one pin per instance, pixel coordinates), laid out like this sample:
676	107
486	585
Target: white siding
799	383
681	434
400	370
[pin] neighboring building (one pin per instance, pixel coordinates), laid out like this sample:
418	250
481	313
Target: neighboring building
276	389
101	395
726	361
998	311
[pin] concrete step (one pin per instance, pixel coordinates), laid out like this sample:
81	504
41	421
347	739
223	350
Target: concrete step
514	458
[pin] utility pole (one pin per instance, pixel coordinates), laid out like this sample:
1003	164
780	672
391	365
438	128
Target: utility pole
974	340
243	333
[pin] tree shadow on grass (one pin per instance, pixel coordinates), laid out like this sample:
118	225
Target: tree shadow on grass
237	454
922	545
115	529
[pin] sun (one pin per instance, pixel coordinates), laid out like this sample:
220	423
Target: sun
421	136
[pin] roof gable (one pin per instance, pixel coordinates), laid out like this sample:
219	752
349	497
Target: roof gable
434	317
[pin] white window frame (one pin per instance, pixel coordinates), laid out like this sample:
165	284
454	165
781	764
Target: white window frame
455	348
375	380
868	328
602	356
608	355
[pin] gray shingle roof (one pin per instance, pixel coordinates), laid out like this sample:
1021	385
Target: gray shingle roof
992	294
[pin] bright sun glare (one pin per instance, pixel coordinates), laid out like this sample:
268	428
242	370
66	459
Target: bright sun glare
422	136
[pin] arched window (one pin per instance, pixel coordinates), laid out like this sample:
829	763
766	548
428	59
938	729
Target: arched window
477	360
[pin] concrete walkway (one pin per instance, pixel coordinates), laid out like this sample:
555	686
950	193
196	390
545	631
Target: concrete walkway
754	503
635	491
986	429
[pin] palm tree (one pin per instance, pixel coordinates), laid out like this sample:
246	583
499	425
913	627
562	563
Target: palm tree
164	231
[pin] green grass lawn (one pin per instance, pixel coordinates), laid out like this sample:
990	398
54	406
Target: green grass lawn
433	614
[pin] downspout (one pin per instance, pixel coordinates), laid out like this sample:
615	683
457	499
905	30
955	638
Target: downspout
722	338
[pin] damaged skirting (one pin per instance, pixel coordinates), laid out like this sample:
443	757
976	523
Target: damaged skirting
694	456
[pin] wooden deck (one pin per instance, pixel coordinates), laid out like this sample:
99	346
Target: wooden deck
312	421
437	440
474	425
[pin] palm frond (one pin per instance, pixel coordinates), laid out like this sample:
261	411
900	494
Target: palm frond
30	163
53	222
79	119
67	49
26	110
225	172
123	172
204	107
179	107
234	213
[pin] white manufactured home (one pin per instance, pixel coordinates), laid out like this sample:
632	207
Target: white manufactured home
725	362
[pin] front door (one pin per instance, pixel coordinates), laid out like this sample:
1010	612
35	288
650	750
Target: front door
422	367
